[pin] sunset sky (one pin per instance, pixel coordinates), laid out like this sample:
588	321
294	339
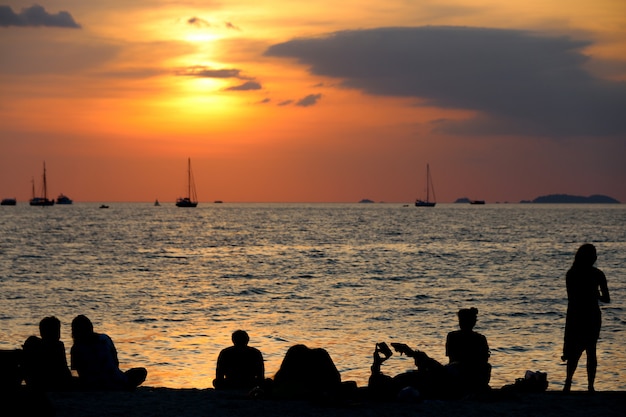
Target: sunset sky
313	101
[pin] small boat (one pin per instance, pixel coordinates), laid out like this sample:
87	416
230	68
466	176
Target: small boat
103	206
429	188
63	199
191	200
8	202
477	201
43	200
156	203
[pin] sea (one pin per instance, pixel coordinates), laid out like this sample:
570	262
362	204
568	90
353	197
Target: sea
170	285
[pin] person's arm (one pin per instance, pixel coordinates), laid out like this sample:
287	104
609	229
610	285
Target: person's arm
260	371
604	289
219	369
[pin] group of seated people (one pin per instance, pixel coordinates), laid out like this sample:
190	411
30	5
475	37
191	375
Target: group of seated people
93	356
304	372
311	373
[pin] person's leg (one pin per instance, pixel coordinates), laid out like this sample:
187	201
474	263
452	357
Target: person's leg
136	376
592	365
572	364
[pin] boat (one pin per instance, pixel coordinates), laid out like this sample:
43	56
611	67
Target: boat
8	202
43	200
103	206
429	188
156	203
477	202
191	200
63	199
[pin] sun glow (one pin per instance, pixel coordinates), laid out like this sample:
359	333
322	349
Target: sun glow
201	37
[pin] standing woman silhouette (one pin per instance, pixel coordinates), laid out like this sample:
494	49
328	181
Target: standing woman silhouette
586	285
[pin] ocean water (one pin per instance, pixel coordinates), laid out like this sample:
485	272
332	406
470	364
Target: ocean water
170	285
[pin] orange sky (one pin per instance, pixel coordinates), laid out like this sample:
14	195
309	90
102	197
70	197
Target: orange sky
287	101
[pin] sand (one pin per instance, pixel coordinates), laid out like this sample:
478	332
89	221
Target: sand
167	402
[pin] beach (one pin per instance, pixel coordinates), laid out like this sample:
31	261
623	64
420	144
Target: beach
166	402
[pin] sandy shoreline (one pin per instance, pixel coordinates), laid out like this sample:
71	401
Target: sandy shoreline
167	402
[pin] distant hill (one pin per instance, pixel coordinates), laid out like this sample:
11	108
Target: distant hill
573	199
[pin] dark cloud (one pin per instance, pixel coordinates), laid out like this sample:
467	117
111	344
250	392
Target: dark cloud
247	86
229	25
36	16
309	100
204	72
196	21
199	22
285	102
520	82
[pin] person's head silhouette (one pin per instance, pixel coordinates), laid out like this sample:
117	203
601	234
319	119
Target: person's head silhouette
586	255
82	328
50	328
467	318
240	338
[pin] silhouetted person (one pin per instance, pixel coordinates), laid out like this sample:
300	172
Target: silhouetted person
467	373
44	363
586	285
429	380
307	373
239	366
94	358
468	353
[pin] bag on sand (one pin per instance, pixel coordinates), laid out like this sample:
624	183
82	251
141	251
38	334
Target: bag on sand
532	382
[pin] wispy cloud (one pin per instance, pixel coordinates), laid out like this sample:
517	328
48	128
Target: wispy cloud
203	23
196	21
518	82
36	16
247	86
204	72
310	100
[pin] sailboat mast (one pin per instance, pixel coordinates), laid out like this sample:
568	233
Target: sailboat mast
45	186
427	183
189	178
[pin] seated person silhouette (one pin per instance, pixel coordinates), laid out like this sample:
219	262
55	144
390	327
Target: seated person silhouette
430	379
239	366
467	373
468	353
44	363
94	358
307	373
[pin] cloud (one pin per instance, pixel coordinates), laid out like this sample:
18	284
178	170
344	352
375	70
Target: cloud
204	72
309	100
196	21
36	16
247	86
230	25
518	82
202	23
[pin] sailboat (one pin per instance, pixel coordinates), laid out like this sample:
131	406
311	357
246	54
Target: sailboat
429	188
43	200
191	200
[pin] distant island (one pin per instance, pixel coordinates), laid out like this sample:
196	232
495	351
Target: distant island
366	200
572	199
